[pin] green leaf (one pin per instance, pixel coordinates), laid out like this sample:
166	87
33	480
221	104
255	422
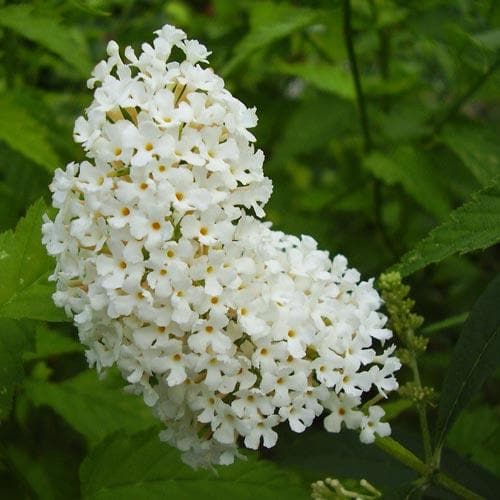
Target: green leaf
324	77
338	455
269	22
475	357
95	408
49	32
338	80
24	289
445	324
26	135
478	442
50	474
51	342
14	340
473	226
479	149
303	133
140	466
414	171
319	454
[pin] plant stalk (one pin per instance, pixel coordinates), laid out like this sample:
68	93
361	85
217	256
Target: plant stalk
363	116
406	457
422	415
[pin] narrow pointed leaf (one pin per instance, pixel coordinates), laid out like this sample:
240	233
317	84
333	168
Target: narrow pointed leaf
475	357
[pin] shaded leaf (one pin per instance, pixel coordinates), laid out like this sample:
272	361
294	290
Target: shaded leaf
320	454
49	474
303	133
24	289
473	226
338	455
480	443
15	338
95	408
413	170
26	135
141	466
479	149
475	357
47	31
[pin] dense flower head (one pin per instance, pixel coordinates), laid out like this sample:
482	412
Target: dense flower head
226	327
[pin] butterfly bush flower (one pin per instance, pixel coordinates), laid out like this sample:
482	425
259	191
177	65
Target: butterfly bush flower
226	327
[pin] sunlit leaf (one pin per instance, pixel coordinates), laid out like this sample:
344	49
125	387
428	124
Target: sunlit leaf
50	342
24	289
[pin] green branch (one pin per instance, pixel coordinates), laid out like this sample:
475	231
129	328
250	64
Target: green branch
406	457
348	34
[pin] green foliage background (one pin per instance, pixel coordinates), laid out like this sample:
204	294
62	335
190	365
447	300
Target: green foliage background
418	187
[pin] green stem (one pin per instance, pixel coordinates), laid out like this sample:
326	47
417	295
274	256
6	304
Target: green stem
422	415
406	457
348	35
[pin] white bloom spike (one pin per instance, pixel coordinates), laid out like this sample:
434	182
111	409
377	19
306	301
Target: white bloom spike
224	326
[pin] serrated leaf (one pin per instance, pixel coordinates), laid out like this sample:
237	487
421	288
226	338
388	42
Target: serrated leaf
140	466
479	149
14	339
24	290
269	22
47	31
50	342
473	226
25	134
412	170
475	357
95	408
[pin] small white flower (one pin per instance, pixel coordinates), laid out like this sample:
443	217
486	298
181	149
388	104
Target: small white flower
371	425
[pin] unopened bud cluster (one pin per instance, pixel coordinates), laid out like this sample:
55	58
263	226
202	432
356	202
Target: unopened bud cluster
333	489
226	327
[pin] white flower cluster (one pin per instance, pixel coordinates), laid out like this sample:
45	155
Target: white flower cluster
226	327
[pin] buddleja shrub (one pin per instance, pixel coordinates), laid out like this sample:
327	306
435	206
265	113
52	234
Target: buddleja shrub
227	332
225	327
